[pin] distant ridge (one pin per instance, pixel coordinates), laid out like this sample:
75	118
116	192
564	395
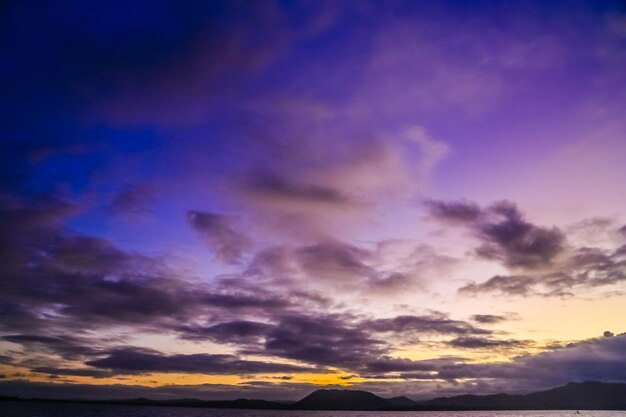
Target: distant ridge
401	401
573	396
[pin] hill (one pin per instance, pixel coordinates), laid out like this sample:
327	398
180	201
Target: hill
333	399
573	396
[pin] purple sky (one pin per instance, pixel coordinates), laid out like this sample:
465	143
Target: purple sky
224	199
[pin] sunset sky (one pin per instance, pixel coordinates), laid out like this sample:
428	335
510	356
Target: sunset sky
225	199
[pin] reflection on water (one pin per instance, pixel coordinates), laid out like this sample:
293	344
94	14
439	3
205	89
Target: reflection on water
43	409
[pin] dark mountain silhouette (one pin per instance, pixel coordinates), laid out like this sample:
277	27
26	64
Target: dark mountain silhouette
401	402
334	399
573	396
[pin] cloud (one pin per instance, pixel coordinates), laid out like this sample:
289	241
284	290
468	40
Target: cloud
272	187
455	212
337	340
91	284
239	332
488	318
135	360
327	340
229	245
94	373
66	346
505	235
487	343
436	323
512	285
389	365
332	260
581	268
593	232
543	261
58	282
594	359
381	269
301	188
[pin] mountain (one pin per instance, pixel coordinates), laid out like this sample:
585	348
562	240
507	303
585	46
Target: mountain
334	399
573	396
401	402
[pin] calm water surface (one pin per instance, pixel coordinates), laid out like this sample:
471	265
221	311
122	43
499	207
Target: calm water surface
21	409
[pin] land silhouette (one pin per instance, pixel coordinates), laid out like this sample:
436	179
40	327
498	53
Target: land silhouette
573	396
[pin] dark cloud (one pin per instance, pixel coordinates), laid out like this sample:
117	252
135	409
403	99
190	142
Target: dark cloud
91	284
436	323
385	365
512	285
473	342
595	359
548	266
582	268
343	266
66	346
340	265
239	332
94	373
135	360
506	236
59	283
594	267
454	211
52	273
277	261
333	260
512	240
228	244
272	186
488	318
328	340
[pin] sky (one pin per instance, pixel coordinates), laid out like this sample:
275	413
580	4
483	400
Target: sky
226	199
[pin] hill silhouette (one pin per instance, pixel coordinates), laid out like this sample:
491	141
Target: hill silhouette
573	396
334	399
401	402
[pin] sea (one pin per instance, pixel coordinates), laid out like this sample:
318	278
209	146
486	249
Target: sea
46	409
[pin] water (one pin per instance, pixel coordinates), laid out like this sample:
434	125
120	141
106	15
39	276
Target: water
43	409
